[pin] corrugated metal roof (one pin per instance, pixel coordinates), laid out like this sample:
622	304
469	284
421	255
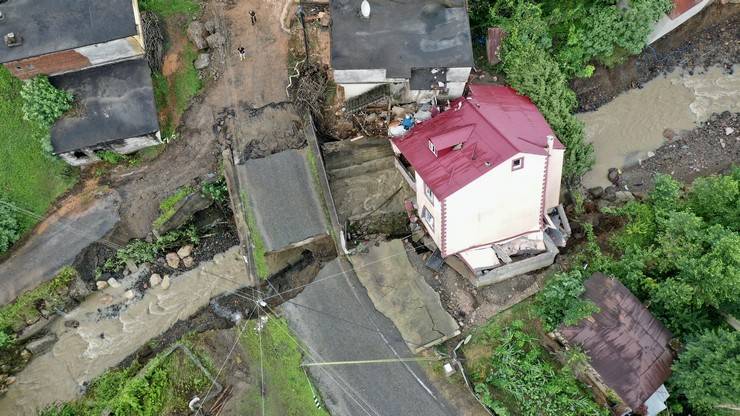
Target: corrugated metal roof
494	122
627	346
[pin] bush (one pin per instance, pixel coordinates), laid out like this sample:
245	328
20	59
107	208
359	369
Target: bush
707	372
42	102
6	340
109	156
10	229
521	381
216	191
717	199
560	301
140	251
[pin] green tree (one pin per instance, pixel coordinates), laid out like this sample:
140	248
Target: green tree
42	102
560	301
717	199
10	229
707	372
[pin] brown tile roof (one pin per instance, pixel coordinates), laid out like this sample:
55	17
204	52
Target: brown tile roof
627	346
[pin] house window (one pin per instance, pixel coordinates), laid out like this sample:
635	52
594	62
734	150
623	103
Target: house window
431	147
429	194
517	164
428	218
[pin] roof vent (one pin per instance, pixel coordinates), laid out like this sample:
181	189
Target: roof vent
365	9
11	39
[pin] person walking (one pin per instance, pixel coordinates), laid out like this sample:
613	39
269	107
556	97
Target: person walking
253	16
242	53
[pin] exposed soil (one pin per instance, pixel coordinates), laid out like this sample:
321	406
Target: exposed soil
706	150
707	39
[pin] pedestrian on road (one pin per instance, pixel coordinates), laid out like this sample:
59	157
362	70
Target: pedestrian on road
253	16
242	53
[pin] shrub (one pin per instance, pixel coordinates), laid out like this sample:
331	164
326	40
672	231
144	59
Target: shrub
140	251
6	340
216	191
10	229
560	301
717	199
109	156
42	102
707	372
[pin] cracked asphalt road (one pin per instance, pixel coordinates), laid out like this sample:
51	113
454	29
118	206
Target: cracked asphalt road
336	321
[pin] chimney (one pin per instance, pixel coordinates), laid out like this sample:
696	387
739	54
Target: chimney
11	39
365	9
550	142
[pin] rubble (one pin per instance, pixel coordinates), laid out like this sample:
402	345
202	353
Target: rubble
166	282
188	262
155	279
113	283
101	284
185	251
196	33
173	260
215	41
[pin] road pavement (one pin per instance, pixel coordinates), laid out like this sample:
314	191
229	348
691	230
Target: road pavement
336	321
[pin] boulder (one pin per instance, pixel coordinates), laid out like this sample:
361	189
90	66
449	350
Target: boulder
729	131
215	40
129	294
101	284
669	134
188	262
650	154
197	34
202	62
185	251
113	283
596	192
106	299
172	260
624	196
610	193
210	26
166	282
155	280
324	19
78	290
613	175
131	267
42	344
72	323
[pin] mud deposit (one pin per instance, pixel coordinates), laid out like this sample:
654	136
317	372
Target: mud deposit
627	131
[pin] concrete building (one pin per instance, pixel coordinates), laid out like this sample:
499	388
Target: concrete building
487	175
95	50
422	48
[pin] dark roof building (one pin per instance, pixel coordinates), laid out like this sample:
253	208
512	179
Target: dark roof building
115	102
46	26
626	345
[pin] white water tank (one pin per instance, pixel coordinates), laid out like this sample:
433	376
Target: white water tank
365	9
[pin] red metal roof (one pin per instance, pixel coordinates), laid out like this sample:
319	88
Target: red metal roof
626	345
494	123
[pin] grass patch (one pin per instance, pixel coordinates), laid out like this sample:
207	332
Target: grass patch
186	82
167	8
167	206
14	316
164	386
287	389
29	176
259	251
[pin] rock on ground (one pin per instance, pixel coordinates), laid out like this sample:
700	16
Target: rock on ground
185	251
202	62
40	345
172	260
155	280
197	34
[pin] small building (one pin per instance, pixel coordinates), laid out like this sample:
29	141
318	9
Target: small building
682	11
95	50
487	175
422	48
628	349
52	37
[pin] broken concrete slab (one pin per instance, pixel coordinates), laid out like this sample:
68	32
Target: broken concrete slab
400	293
517	268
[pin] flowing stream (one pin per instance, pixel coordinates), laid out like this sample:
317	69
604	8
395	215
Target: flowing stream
81	354
626	129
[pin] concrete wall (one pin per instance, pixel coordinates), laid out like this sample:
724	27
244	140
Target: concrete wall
358	81
434	207
126	146
499	205
77	59
554	177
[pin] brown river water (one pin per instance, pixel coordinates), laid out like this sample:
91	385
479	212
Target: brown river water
627	128
81	354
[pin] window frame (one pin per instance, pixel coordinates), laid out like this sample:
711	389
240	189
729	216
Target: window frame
429	194
428	218
431	147
521	163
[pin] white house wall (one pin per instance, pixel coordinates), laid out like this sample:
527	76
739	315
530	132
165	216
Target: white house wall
554	176
666	24
113	51
498	205
435	209
458	75
359	76
358	81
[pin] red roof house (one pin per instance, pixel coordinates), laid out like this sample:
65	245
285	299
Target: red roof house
486	172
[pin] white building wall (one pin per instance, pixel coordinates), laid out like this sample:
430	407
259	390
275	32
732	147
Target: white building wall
499	205
666	24
112	51
358	81
554	177
434	207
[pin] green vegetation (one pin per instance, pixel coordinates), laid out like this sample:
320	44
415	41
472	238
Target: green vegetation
164	386
52	294
42	102
258	244
287	389
559	302
216	191
168	205
109	156
141	251
707	373
167	8
30	179
548	44
6	340
513	375
10	229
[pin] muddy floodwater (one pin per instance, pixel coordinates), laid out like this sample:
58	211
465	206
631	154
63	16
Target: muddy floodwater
626	129
111	327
